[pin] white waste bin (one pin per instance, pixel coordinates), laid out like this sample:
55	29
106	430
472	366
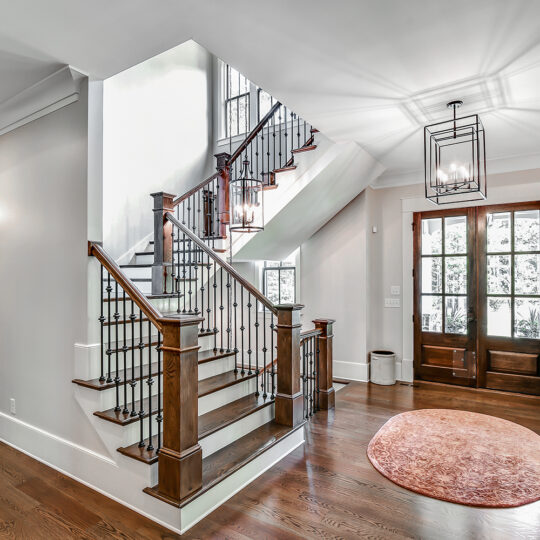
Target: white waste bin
383	367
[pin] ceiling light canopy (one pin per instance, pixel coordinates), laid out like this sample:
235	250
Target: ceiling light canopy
455	159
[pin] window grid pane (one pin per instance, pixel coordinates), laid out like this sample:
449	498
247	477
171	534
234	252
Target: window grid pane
516	274
444	270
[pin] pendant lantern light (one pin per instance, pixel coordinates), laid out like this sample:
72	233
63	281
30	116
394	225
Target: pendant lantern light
246	199
455	159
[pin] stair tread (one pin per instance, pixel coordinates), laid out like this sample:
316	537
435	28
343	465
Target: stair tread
224	462
286	168
223	380
209	423
304	148
96	384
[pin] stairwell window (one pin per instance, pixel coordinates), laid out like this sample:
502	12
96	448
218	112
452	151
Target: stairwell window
279	282
237	94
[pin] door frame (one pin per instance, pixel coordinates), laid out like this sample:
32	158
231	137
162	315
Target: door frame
477	292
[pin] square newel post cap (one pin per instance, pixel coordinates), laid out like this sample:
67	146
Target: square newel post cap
326	325
289	307
222	159
162	200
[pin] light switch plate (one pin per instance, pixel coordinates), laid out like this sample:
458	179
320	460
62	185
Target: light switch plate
395	290
392	302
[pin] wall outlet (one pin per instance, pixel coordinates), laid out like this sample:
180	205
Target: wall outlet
395	290
12	407
392	302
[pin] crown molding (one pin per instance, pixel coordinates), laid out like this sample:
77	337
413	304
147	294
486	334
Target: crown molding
44	97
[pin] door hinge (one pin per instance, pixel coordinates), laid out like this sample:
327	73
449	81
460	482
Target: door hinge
412	225
413	318
413	272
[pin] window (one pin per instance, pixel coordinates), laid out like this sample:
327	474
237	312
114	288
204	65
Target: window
244	103
236	92
513	274
279	282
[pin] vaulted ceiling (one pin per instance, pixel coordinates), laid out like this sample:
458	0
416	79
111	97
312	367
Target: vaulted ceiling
369	71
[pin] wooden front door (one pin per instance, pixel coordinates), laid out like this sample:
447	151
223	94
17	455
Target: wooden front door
445	292
509	297
477	297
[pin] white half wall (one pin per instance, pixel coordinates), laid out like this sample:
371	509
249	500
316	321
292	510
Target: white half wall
43	269
158	136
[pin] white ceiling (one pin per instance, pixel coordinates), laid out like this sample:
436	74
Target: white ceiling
363	70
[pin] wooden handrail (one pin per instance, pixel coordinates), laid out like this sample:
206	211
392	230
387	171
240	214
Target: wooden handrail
225	265
306	334
254	132
194	190
94	249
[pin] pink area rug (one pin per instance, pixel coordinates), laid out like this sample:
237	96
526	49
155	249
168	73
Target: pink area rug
459	456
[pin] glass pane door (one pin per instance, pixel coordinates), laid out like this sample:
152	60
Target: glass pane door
444	311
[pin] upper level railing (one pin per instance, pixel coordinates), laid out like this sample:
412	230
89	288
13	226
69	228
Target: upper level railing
270	147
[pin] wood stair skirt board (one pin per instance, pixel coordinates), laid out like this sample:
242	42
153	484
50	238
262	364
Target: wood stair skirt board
232	459
209	423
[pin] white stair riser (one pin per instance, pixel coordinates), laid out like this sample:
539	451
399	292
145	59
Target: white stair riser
216	367
130	433
138	272
238	429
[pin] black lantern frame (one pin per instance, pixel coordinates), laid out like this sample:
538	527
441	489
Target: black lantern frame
449	182
246	202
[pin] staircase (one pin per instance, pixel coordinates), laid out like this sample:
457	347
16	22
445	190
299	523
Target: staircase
199	383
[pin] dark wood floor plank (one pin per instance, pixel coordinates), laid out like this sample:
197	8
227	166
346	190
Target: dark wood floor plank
324	489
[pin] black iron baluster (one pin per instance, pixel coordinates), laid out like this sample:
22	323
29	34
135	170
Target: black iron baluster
116	348
257	347
178	293
215	306
264	350
242	327
266	181
228	312
141	373
189	261
273	352
133	382
150	382
312	376
268	156
125	350
208	310
174	283
235	305
274	143
305	135
249	351
304	378
109	322
159	417
280	153
286	137
183	279
298	128
221	308
101	320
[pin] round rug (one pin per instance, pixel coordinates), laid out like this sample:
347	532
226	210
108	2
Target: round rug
459	456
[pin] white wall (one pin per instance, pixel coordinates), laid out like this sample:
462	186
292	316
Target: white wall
43	269
333	281
158	136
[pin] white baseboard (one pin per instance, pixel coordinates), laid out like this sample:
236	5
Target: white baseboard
124	480
354	371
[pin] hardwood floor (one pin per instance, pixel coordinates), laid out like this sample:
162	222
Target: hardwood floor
325	489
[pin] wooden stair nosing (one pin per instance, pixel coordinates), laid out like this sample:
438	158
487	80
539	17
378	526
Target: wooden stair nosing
304	149
221	464
209	423
286	168
96	384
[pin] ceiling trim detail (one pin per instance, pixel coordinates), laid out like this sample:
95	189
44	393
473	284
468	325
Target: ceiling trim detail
46	96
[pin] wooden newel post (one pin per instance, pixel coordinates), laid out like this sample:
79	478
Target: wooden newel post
222	166
180	458
289	397
327	396
163	245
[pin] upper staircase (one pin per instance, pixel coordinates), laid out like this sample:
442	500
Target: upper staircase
198	377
